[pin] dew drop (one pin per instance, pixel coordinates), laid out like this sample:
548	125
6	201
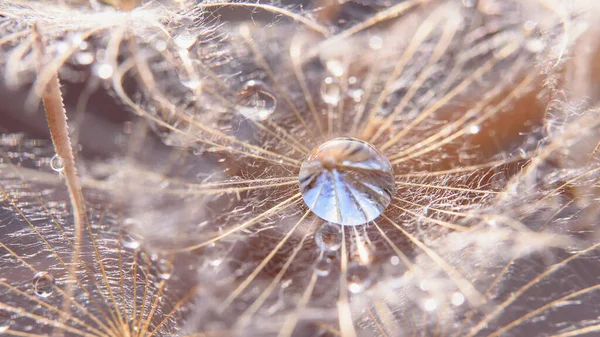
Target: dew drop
165	269
130	240
57	163
468	3
354	89
103	70
43	284
256	103
191	84
335	67
457	299
346	181
185	40
331	91
430	304
84	58
329	237
474	129
375	42
214	254
359	278
323	266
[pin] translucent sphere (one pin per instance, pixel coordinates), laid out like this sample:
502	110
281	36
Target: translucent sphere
347	181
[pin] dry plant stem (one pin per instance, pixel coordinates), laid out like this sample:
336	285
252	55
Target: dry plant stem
59	132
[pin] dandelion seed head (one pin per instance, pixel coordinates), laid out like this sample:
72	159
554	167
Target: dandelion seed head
488	185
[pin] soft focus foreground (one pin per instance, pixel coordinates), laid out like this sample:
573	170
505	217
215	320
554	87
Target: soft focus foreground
175	205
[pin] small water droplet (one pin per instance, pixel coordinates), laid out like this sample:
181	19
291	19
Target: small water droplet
103	70
329	237
457	299
43	284
84	58
375	42
255	102
323	266
165	269
535	45
331	91
468	3
185	40
394	260
359	278
430	304
57	163
130	240
335	67
346	181
213	253
191	84
355	91
474	129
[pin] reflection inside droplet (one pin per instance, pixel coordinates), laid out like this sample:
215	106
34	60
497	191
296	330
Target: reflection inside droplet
346	181
43	284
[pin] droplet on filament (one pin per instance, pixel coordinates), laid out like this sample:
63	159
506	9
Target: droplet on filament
346	181
43	284
256	103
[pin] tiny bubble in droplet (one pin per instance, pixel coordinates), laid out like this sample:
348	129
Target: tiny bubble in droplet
43	284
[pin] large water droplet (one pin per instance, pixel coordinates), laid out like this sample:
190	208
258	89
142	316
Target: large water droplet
255	102
347	181
57	163
330	91
43	284
359	278
329	237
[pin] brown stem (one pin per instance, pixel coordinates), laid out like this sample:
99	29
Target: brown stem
59	132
